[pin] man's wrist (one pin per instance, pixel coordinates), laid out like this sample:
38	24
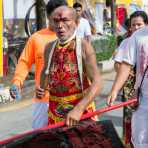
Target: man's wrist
16	92
81	107
78	107
17	83
114	94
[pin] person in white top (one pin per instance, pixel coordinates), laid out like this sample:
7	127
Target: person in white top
137	20
119	54
83	28
136	53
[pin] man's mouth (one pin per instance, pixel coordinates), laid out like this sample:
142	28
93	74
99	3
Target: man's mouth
61	33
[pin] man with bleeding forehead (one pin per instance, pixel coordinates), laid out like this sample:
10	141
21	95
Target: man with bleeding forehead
70	71
64	23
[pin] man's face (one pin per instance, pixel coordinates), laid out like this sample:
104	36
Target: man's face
137	23
63	22
78	11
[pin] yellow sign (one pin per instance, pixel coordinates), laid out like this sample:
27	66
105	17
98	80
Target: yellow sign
93	2
70	3
1	38
128	2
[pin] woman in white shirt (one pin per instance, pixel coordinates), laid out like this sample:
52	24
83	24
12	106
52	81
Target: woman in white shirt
137	20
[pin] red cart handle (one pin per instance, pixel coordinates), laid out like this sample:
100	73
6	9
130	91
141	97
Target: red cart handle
60	124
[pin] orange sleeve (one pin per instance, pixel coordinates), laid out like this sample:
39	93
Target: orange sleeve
25	62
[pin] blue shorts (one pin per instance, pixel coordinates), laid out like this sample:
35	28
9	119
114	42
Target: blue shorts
40	115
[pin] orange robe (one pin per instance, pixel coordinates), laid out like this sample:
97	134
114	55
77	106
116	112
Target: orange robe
33	53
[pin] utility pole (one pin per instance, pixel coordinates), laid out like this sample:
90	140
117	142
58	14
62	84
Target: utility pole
40	14
113	16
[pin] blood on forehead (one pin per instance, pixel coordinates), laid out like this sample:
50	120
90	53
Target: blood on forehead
62	14
59	15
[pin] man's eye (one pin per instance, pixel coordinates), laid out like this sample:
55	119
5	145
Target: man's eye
56	20
65	20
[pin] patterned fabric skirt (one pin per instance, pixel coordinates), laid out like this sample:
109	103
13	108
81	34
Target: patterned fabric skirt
60	106
128	93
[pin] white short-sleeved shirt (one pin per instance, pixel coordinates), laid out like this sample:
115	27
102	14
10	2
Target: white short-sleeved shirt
120	51
136	52
83	29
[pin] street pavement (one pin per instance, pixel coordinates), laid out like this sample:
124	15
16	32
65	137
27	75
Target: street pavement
16	117
115	115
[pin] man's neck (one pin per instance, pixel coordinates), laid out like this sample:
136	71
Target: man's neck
78	18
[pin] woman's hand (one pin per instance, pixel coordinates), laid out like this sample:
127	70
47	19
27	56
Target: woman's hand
111	98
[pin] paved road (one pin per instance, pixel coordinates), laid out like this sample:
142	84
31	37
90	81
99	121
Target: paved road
15	118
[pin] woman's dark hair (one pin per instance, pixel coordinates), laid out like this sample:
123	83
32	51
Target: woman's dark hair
120	38
77	5
127	23
53	4
141	14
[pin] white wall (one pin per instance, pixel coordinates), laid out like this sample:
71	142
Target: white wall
17	8
145	6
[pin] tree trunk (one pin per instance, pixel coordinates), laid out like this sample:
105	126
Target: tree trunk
113	16
40	14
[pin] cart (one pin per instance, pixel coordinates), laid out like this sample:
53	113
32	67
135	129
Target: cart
87	134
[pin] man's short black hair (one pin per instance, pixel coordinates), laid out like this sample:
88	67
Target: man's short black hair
77	5
53	4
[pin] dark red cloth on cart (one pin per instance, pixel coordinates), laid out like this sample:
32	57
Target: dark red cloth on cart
89	135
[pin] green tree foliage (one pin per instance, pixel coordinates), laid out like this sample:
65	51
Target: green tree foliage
104	47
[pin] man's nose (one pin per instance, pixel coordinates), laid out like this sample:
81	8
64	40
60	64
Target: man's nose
60	25
137	27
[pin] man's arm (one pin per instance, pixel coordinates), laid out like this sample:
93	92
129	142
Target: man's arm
25	62
87	31
93	73
89	57
46	58
40	90
121	77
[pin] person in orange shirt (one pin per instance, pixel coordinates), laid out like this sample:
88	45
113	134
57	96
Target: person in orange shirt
33	53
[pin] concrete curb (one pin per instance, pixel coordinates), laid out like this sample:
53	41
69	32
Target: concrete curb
5	98
106	66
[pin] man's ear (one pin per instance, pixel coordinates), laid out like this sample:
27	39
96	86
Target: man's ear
51	26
